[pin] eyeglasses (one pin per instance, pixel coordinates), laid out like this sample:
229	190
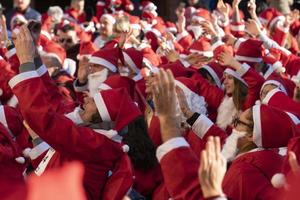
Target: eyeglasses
237	121
67	40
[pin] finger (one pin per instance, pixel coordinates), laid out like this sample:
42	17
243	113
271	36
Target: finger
171	80
209	149
204	160
293	162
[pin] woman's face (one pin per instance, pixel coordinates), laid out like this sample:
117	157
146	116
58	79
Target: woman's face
89	109
228	83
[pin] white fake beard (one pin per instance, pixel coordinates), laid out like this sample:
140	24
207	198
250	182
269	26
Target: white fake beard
226	112
230	149
95	80
197	31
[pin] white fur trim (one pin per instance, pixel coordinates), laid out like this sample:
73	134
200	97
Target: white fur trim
137	77
270	95
257	139
213	74
43	164
293	117
282	151
278	180
38	150
248	59
235	74
181	35
136	26
10	53
185	63
81	56
244	69
201	126
172	29
13	101
22	77
204	53
74	116
79	88
46	34
100	3
277	66
217	44
276	83
268	72
238	43
170	145
42	70
111	134
276	19
156	32
240	27
101	106
150	7
4	122
20	160
104	86
263	20
105	63
130	62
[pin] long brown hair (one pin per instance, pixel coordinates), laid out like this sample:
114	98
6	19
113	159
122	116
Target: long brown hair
239	93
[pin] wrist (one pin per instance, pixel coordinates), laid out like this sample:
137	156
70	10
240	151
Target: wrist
209	193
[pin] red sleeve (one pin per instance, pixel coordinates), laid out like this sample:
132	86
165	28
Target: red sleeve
184	39
254	81
5	75
212	94
180	170
57	130
13	59
280	34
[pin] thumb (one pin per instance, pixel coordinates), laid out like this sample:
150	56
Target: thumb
293	162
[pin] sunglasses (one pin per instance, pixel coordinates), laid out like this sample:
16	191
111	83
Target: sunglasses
65	40
237	121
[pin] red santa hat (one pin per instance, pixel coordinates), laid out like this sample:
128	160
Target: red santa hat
189	12
201	15
150	58
202	46
171	27
178	69
270	16
147	6
115	105
249	51
135	22
236	75
53	49
149	17
272	57
11	120
117	81
133	58
216	71
107	58
86	50
285	85
265	133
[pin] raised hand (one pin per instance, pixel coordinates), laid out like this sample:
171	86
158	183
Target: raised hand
229	39
212	168
293	162
3	31
208	28
164	96
223	8
183	103
226	59
24	45
83	70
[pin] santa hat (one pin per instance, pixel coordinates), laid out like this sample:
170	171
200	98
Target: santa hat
147	6
202	46
201	15
86	50
272	57
17	17
53	49
285	85
189	12
189	87
236	75
149	17
249	51
171	27
133	58
178	69
115	105
107	58
216	71
109	17
135	22
117	81
46	25
272	128
270	16
11	120
56	13
150	58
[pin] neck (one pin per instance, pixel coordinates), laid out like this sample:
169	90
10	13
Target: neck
247	147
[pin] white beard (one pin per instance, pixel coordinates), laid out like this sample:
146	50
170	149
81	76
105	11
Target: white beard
226	112
95	80
230	149
197	31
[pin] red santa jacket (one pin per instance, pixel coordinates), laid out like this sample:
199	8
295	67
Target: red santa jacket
249	176
98	153
5	75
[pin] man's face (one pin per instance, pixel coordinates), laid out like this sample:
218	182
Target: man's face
106	27
67	40
78	5
21	4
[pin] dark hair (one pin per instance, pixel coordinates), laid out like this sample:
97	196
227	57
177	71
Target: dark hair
67	28
207	75
239	93
141	148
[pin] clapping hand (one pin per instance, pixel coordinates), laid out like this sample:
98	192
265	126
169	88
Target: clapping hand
212	168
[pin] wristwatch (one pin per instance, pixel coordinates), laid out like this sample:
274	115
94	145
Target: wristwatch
8	44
